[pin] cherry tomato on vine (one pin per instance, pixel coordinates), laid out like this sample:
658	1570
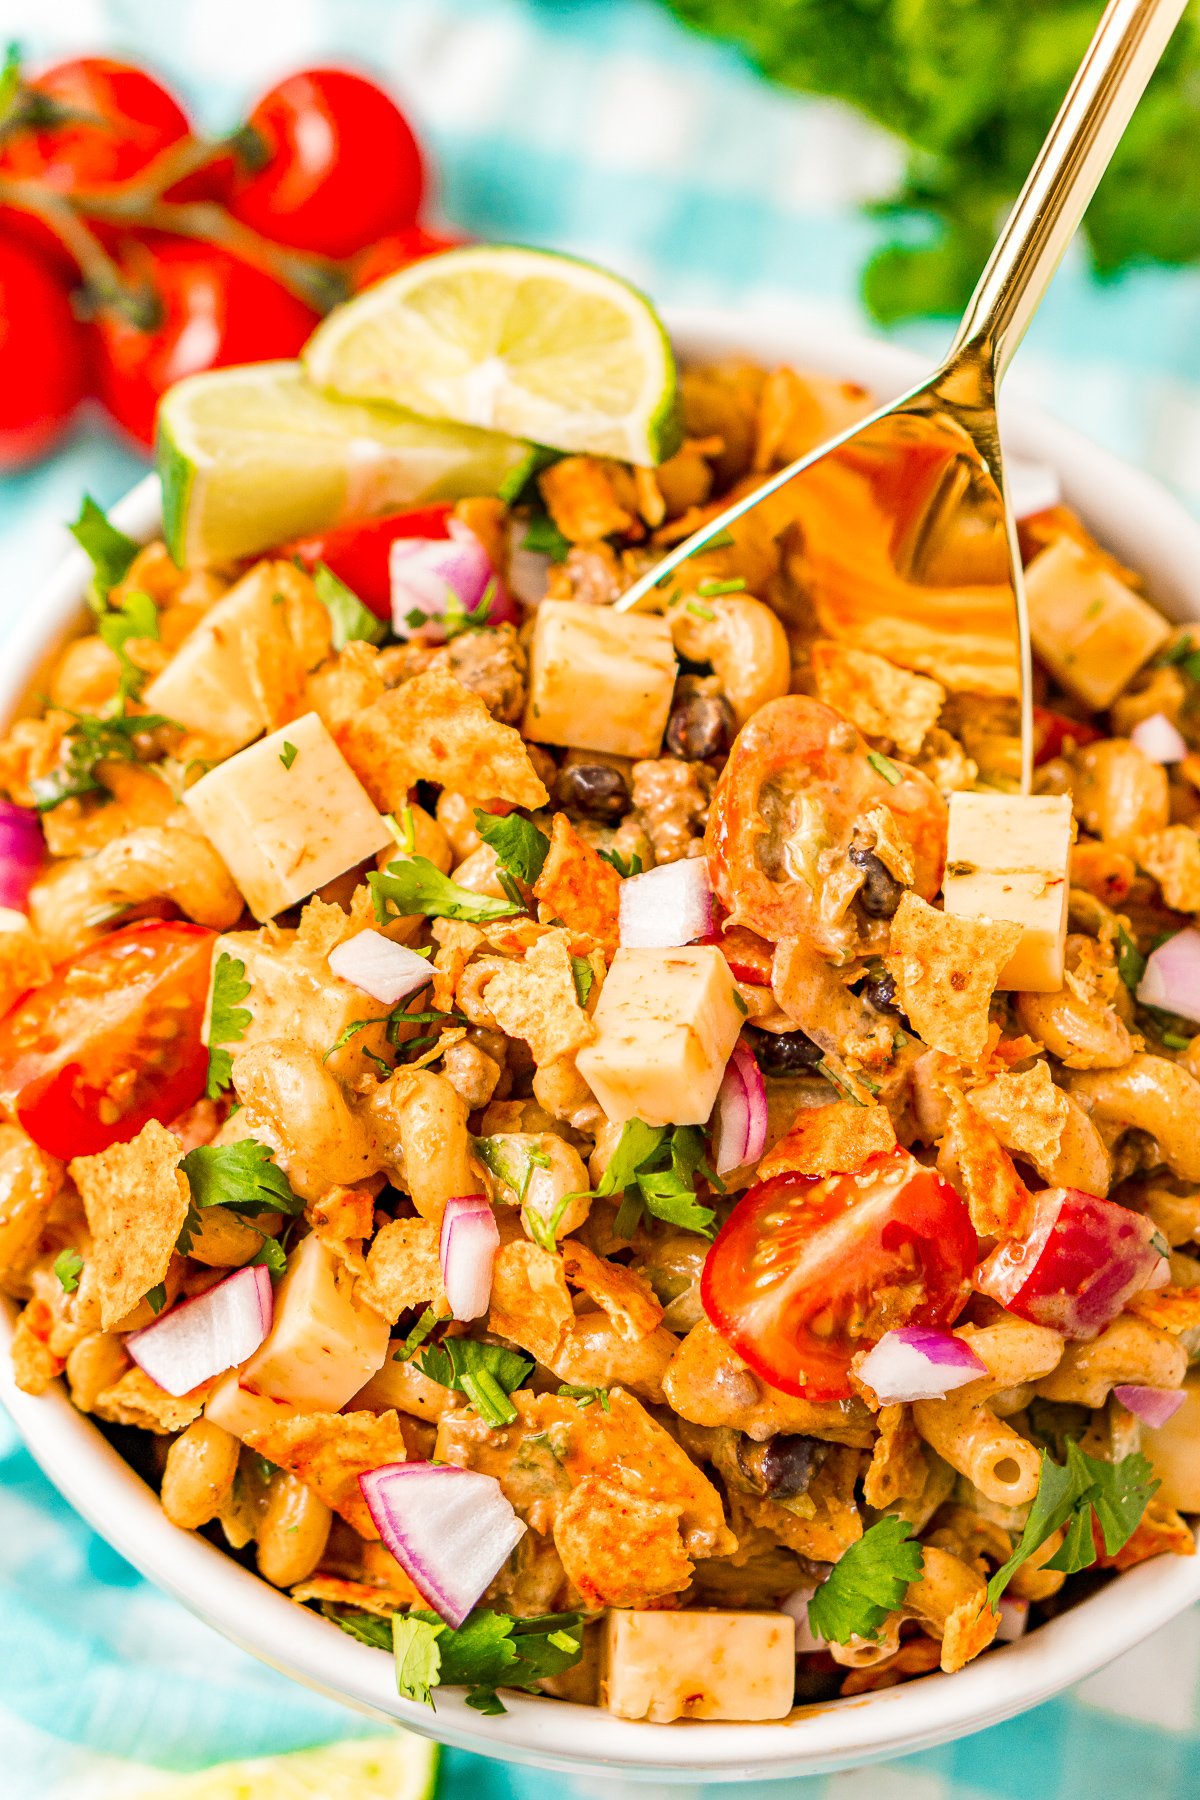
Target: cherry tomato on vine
212	310
342	168
111	1041
807	1270
397	251
42	363
125	118
358	554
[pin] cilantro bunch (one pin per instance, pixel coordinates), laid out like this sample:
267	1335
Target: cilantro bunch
488	1651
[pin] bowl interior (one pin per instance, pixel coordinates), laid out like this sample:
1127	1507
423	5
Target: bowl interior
1146	527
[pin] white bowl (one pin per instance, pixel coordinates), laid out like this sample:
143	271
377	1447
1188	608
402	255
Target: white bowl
1152	533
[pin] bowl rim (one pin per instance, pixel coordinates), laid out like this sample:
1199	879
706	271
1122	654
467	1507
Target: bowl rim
1141	522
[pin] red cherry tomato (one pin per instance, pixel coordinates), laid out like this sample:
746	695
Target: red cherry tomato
125	118
398	251
798	781
749	957
808	1270
1076	1267
343	166
111	1041
215	310
358	554
42	362
1054	732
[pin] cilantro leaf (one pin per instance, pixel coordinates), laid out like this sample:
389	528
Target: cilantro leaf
418	886
108	549
350	619
520	847
1057	1495
485	1373
488	1650
543	537
1084	1488
584	976
1123	1492
625	868
243	1176
1131	964
368	1628
635	1146
156	1297
272	1255
671	1199
68	1266
88	742
228	1020
867	1582
418	1658
136	617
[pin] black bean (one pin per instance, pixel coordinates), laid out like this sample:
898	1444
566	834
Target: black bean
701	725
783	1466
784	1052
879	991
596	790
880	893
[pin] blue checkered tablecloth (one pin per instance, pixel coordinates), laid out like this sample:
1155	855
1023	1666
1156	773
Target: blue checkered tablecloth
598	126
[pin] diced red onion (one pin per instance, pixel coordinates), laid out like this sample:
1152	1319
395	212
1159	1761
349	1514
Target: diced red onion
1158	739
431	575
1032	486
740	1115
668	906
796	1607
1172	976
1152	1405
1014	1618
918	1363
203	1337
469	1242
22	848
451	1530
387	972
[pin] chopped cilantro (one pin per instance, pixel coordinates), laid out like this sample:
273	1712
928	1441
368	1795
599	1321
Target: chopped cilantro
68	1265
883	765
543	537
418	1659
418	886
228	1020
839	1081
655	1167
111	553
136	617
739	1002
520	847
271	1254
868	1581
625	867
485	1373
585	977
156	1297
1131	964
349	618
416	1336
288	754
489	1650
1071	1494
87	743
243	1176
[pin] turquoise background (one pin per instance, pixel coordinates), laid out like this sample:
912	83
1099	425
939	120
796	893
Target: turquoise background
599	126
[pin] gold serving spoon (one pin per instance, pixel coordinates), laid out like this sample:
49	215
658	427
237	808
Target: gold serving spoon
909	545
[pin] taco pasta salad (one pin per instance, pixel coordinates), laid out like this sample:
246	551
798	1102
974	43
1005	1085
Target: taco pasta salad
610	1155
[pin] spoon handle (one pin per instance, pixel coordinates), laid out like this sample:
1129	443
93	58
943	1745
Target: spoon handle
1100	102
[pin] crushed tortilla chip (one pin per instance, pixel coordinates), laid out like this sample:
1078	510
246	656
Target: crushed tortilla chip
530	1303
898	1469
343	1216
880	699
335	1590
1172	856
136	1400
576	886
1160	1531
1173	1309
535	999
322	927
329	1451
275	671
973	1160
1027	1113
626	1297
619	1545
345	687
970	1628
403	1269
136	1201
589	498
919	1656
830	1140
434	729
946	970
34	1363
457	943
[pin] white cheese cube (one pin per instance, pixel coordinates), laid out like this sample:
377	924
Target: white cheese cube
236	1410
698	1665
1092	632
1174	1449
205	686
1007	857
666	1023
295	995
598	679
322	1347
286	824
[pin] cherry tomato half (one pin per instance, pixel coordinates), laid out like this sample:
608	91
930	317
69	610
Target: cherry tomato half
1080	1261
397	251
1053	733
214	310
808	1270
111	1041
343	166
123	118
798	780
358	554
42	363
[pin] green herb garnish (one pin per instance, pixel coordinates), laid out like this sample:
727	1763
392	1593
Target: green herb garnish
228	1020
350	620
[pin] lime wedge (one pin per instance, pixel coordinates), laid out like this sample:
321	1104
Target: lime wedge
399	1767
254	456
520	341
